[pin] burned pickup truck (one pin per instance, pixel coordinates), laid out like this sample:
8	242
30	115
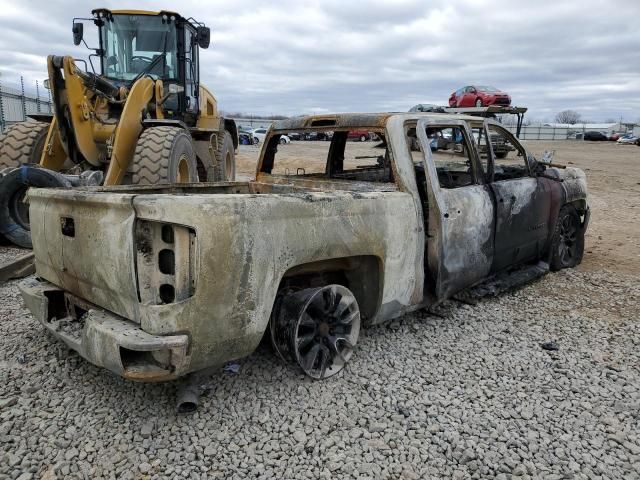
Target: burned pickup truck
154	282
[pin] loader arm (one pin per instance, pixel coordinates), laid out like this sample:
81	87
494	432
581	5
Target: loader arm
128	130
77	110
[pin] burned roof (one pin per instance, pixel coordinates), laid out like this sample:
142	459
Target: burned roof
336	121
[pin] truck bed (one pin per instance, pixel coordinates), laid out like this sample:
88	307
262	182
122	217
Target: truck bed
230	244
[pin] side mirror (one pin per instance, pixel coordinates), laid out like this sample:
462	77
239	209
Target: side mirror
78	31
204	37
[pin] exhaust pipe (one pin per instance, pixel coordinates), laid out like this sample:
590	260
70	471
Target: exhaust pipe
191	387
187	397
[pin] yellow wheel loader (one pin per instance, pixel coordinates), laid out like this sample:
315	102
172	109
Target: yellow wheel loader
145	118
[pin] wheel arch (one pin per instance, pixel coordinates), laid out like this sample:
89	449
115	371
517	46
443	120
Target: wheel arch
362	274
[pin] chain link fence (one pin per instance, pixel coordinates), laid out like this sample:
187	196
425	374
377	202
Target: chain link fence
18	100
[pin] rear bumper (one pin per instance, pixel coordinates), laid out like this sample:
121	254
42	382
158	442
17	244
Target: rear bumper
105	339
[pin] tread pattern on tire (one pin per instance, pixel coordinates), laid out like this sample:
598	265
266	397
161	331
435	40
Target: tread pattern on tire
18	142
219	171
150	163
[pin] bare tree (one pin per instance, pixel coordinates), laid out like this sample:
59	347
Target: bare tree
568	116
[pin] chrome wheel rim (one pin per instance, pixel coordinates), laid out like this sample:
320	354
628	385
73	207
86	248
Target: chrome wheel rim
568	240
317	329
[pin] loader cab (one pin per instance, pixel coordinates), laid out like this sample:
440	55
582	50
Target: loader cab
160	45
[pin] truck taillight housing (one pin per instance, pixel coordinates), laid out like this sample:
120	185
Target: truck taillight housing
165	262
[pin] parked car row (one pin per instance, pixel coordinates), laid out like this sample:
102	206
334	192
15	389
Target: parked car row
628	139
623	139
257	135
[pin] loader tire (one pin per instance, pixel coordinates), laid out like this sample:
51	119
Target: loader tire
164	155
22	143
14	210
224	168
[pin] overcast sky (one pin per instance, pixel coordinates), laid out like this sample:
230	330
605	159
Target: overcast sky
292	57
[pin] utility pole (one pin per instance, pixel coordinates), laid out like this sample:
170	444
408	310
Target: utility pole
23	100
50	104
37	97
1	107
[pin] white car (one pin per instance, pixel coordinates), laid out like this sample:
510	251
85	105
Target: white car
260	133
628	139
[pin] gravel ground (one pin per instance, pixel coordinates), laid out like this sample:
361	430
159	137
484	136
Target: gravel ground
8	253
467	395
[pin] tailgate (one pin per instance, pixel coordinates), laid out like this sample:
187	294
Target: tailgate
83	243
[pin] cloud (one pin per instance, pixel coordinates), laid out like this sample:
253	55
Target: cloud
294	57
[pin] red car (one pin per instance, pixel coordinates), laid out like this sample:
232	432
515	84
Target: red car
361	135
478	96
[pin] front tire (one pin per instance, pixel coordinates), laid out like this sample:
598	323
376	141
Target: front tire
164	155
363	138
567	245
22	143
478	102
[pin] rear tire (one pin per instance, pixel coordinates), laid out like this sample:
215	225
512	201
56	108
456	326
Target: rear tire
316	328
164	155
225	163
567	245
22	143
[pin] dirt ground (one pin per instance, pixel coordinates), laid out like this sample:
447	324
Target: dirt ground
613	175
